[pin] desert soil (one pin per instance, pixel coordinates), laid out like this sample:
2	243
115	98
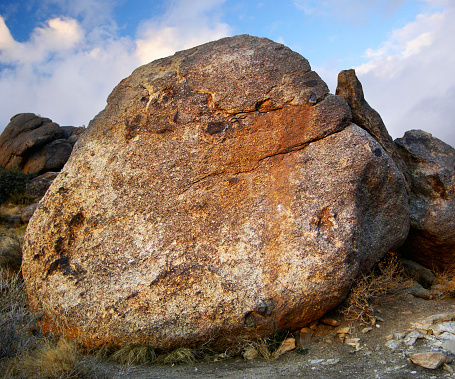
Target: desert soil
327	356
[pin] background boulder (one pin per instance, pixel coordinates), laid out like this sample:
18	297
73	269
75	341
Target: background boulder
35	144
222	193
350	88
431	167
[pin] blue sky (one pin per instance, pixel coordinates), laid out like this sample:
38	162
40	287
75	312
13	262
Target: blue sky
61	58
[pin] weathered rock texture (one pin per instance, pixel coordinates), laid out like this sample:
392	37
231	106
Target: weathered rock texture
431	166
35	144
222	193
350	88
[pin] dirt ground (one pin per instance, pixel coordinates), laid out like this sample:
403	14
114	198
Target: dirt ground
327	356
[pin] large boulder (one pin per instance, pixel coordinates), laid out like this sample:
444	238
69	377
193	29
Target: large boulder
431	165
36	144
222	193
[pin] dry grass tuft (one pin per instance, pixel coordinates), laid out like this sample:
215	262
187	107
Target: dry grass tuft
51	360
384	279
182	355
10	251
18	330
134	355
445	282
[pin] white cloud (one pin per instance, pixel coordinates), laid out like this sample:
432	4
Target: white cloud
69	65
410	78
184	25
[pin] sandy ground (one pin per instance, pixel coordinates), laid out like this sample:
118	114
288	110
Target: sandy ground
327	356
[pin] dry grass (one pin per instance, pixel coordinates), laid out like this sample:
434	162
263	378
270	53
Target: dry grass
134	355
10	251
445	282
18	330
182	355
384	279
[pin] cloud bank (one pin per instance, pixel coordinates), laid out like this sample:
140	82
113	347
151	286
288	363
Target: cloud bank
410	78
69	65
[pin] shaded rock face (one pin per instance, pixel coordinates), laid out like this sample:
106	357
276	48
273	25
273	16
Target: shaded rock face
431	165
221	194
350	88
36	144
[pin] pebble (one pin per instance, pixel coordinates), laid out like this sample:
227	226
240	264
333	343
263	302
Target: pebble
330	321
287	345
392	344
420	292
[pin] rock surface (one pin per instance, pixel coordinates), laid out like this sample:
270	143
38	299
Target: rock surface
221	194
350	88
431	166
36	144
38	186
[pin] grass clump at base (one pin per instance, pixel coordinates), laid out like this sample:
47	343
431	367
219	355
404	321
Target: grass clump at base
384	279
182	355
134	355
10	251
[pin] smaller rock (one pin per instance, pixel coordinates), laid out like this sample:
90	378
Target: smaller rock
447	336
412	337
448	326
344	330
430	360
399	336
27	212
366	330
447	368
449	345
305	334
250	353
322	330
313	324
330	321
420	274
38	186
392	344
353	342
420	292
287	345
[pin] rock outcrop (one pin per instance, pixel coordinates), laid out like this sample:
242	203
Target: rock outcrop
35	144
222	193
431	166
350	88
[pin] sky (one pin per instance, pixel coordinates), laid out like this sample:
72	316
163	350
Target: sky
61	58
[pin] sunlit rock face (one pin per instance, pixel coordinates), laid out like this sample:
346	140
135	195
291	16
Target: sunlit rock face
222	193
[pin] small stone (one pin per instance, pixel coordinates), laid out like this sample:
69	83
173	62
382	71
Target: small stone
322	330
428	360
392	344
447	336
328	340
420	292
250	353
287	345
344	330
313	324
449	345
332	361
398	336
366	330
448	326
353	342
447	368
305	334
442	317
330	321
